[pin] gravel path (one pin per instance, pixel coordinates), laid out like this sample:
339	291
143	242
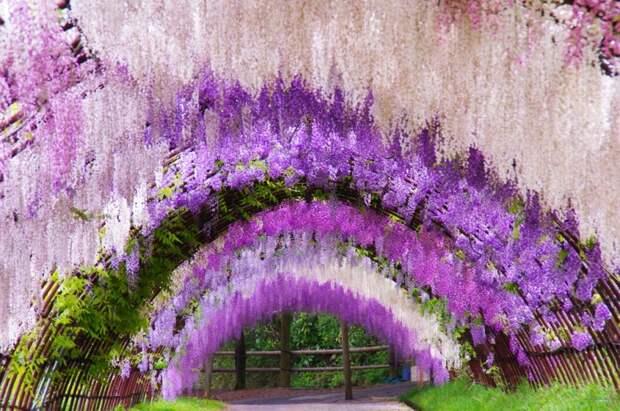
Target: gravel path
376	398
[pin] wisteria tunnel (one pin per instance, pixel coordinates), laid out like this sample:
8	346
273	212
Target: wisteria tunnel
443	174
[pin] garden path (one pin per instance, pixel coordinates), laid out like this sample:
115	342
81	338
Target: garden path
376	398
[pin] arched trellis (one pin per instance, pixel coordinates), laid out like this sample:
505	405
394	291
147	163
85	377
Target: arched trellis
81	388
290	293
215	225
319	230
312	256
361	171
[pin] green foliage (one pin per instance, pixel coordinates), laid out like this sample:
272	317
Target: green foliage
260	196
181	404
308	331
512	288
596	298
322	331
99	304
562	255
168	191
586	246
497	376
80	214
463	395
25	361
438	307
165	192
467	350
590	242
160	364
460	254
517	207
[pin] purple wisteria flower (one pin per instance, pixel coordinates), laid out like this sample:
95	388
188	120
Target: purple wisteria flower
555	344
125	369
478	334
132	264
536	336
144	364
490	360
581	340
601	316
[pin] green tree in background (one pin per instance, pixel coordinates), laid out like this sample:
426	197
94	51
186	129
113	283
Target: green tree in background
308	331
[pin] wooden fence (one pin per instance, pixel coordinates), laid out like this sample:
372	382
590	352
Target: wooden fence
299	353
286	359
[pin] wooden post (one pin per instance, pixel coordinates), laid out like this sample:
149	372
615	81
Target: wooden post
209	376
346	361
240	362
285	349
393	363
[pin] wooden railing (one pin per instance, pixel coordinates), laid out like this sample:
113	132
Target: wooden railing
286	355
299	353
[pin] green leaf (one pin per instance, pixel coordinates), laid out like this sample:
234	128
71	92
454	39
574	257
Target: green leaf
512	288
165	192
460	254
516	206
260	164
62	342
590	242
562	255
55	275
160	364
516	231
80	214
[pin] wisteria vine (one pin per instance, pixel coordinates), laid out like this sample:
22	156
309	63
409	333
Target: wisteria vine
429	260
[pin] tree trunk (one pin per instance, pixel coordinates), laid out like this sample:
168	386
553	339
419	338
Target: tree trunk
393	363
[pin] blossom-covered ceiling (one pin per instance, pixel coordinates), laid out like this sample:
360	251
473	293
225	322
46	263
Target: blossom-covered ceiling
488	130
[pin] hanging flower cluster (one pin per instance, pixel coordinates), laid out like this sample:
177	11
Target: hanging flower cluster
39	58
595	22
591	24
